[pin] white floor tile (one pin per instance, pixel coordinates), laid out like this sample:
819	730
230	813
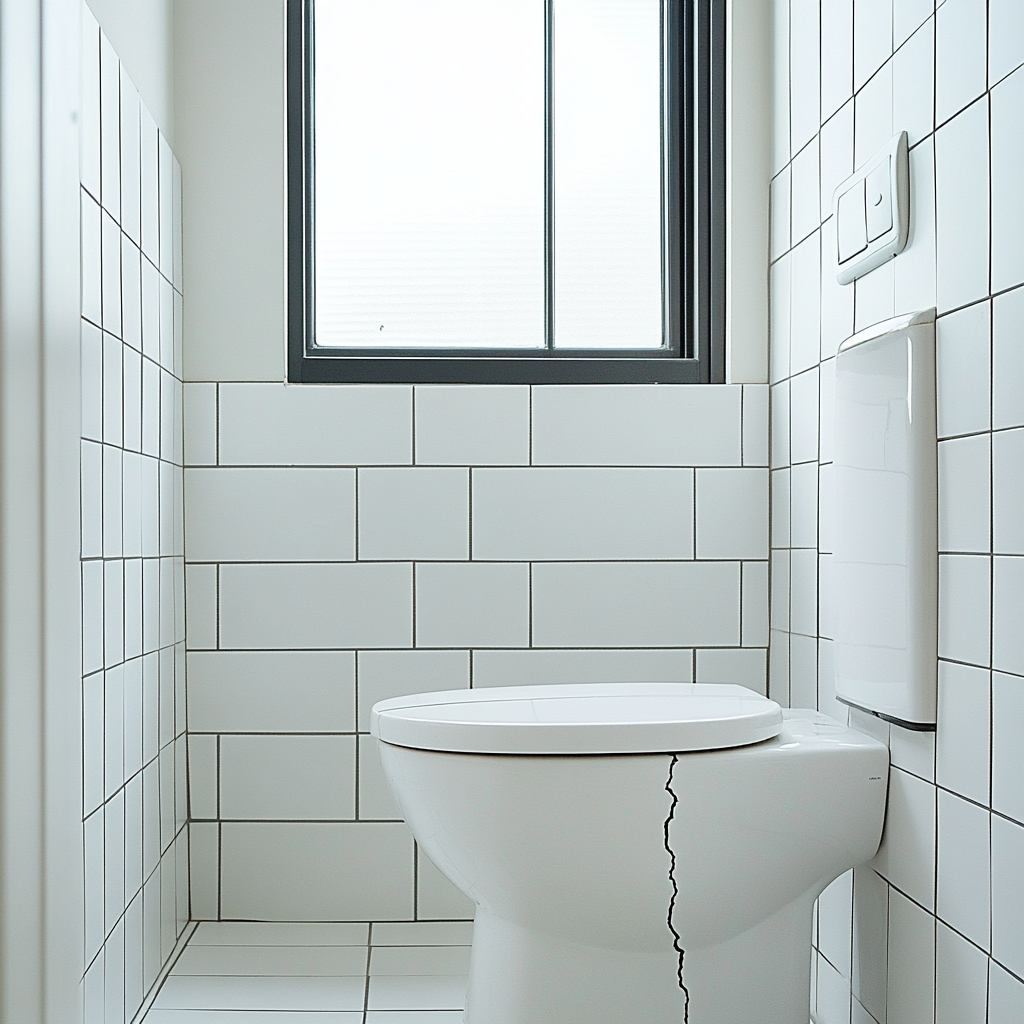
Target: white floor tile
412	1017
279	933
422	933
185	992
297	961
424	992
419	960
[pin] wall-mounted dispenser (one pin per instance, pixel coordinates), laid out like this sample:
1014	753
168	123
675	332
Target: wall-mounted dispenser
886	521
872	212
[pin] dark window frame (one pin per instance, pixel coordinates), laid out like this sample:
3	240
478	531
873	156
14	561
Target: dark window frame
696	246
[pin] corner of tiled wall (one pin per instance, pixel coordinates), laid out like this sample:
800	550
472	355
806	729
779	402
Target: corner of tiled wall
132	545
930	931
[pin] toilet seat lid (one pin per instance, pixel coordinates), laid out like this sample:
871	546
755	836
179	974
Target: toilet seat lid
579	718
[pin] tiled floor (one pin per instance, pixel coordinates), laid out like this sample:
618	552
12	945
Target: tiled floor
388	973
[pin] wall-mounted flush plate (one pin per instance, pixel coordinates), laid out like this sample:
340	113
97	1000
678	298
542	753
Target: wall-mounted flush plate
872	212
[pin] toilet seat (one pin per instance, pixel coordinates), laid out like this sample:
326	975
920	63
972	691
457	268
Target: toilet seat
579	718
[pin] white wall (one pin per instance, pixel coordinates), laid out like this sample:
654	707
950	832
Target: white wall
930	930
132	573
142	34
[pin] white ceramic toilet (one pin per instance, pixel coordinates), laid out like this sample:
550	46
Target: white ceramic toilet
639	853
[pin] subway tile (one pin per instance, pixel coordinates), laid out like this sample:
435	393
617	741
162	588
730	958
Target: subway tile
732	513
113	975
133	712
911	987
165	187
1005	39
907	854
201	605
962	202
1008	492
413	513
806	199
272	424
1007	204
111	270
204	852
836	55
92	500
914	271
581	513
131	294
962	735
872	37
132	838
301	871
913	81
113	859
271	691
1008	359
533	667
780	572
636	425
755	425
166	325
636	604
804	584
131	155
1007	614
803	671
150	196
113	613
270	514
473	425
965	520
962	371
806	304
743	666
961	971
113	393
804	505
1007	752
778	667
780	198
836	299
93	717
287	778
200	424
92	616
754	622
804	416
92	382
826	596
1006	996
286	605
110	128
960	55
827	702
962	878
780	442
92	261
964	626
93	866
150	311
472	604
150	408
780	302
870	939
202	776
176	227
384	674
826	410
872	115
836	155
376	801
805	70
131	366
438	898
1008	894
835	923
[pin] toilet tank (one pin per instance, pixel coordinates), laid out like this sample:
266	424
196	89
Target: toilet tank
885	568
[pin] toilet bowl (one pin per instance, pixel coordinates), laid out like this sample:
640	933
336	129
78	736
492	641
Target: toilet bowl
637	853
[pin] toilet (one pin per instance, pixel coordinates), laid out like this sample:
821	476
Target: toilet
638	853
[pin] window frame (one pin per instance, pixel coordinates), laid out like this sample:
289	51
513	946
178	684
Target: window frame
696	198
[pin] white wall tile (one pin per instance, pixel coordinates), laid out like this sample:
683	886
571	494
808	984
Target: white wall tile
150	408
1008	492
907	16
92	382
325	605
202	776
132	837
964	479
962	734
827	408
286	778
836	155
473	425
780	282
436	897
165	186
271	691
1008	359
778	667
89	103
872	37
1006	996
961	976
178	276
806	199
913	751
203	857
805	70
1007	204
110	128
806	298
1007	753
132	373
875	296
92	616
384	674
832	996
835	917
113	613
150	311
803	671
131	294
636	425
113	395
755	425
580	513
148	136
780	200
113	975
631	604
376	802
962	879
271	424
201	603
131	155
1005	40
873	126
1007	614
413	513
270	514
92	261
804	416
907	854
911	987
744	667
732	513
961	189
133	608
300	871
780	571
200	424
836	299
111	271
1008	894
913	86
870	939
962	371
964	608
92	500
960	55
531	667
780	442
755	604
780	86
914	271
166	325
826	597
474	604
804	587
836	55
804	505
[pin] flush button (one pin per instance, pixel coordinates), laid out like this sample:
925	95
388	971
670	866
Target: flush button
879	201
852	231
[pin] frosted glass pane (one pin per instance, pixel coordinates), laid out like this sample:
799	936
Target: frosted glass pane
607	156
429	173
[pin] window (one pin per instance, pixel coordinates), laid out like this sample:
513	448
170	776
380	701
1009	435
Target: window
506	190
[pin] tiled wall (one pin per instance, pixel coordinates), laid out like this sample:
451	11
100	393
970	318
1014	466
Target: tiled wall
350	543
933	928
133	657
